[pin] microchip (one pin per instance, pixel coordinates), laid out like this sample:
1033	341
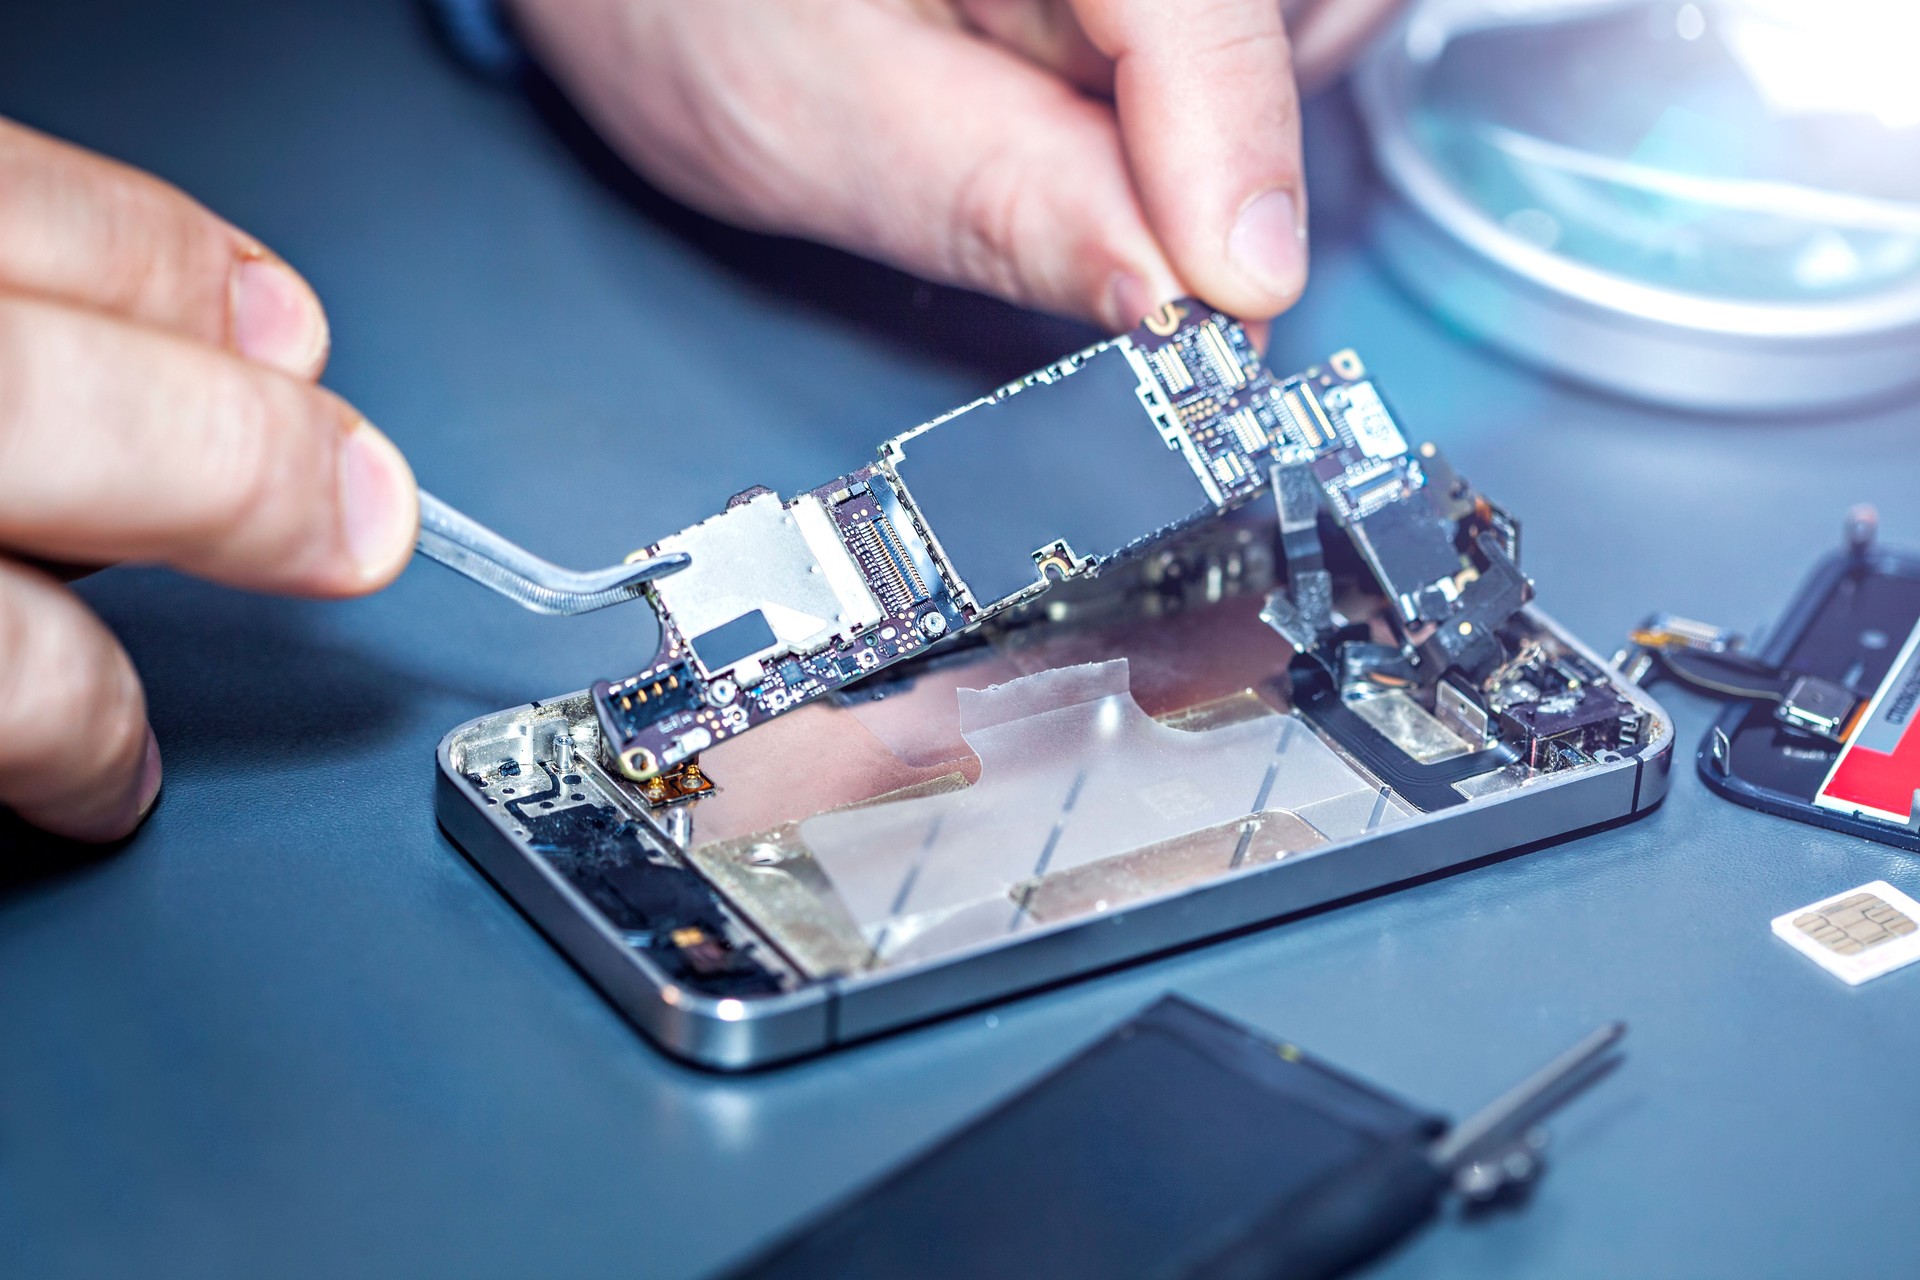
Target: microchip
1372	426
1859	934
735	641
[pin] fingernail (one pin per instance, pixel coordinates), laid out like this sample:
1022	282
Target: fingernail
276	319
378	503
1128	301
149	789
1269	243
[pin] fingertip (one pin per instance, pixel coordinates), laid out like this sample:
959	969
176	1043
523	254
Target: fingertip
379	506
277	319
1211	123
1141	282
151	776
1127	299
122	816
146	789
1259	333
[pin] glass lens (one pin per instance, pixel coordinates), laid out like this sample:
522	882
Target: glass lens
1760	150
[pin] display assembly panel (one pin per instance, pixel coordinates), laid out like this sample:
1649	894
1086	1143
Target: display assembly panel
1820	722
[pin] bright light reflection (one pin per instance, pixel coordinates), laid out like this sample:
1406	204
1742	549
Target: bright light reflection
1810	57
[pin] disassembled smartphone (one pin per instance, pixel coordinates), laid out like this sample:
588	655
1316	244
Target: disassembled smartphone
1042	690
1821	725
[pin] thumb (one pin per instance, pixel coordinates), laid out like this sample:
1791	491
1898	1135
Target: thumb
1211	121
982	170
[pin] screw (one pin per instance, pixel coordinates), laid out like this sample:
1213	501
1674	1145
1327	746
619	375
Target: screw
1862	527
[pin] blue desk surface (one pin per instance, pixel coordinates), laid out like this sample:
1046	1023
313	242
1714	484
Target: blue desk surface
290	1031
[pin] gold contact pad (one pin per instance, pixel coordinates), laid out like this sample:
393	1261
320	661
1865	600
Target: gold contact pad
1855	924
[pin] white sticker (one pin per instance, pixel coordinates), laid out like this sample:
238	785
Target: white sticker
1371	424
1856	935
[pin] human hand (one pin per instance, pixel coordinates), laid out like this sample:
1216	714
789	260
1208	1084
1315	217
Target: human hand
157	403
1089	157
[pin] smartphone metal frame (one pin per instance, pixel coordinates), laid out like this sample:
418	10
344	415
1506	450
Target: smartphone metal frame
735	1034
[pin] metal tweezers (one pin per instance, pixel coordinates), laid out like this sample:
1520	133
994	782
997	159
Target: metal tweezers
466	546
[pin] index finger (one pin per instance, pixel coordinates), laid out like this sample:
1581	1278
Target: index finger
1211	122
121	443
77	227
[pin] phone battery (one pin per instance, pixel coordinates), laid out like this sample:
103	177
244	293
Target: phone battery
1166	1140
1878	770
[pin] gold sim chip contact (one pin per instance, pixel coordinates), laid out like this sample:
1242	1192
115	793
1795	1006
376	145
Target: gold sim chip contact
1856	935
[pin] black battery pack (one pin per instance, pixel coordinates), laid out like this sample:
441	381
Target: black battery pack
1180	1144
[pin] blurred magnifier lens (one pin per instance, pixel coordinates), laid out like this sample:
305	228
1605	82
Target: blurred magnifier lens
1739	173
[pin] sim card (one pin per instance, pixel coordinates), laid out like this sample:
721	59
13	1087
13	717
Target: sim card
1856	935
